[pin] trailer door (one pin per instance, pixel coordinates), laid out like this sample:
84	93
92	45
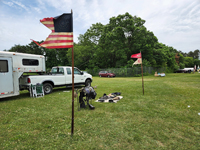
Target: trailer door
6	77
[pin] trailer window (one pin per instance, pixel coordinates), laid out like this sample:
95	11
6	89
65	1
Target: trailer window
3	66
30	62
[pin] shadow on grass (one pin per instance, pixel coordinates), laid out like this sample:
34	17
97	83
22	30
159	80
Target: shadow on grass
12	98
61	89
26	94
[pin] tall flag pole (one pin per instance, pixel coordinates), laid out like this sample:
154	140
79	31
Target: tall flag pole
61	37
72	125
139	61
142	74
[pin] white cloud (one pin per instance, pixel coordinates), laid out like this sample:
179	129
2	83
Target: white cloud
8	3
175	23
38	10
20	5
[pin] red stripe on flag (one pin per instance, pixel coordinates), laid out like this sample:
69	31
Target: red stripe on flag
48	22
36	42
47	19
66	46
54	36
57	41
49	25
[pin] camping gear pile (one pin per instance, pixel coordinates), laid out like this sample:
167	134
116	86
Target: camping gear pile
86	94
111	98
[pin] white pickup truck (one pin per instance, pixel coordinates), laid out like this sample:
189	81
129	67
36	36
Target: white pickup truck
59	76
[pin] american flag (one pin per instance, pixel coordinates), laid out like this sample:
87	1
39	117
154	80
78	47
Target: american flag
62	32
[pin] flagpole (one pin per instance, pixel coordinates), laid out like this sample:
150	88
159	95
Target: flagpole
142	74
72	125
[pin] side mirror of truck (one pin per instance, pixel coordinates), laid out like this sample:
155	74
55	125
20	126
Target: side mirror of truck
82	73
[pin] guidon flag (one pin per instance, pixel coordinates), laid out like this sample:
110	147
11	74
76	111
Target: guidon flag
138	55
62	32
138	61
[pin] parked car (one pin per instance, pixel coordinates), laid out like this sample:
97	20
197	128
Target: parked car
180	71
183	71
106	74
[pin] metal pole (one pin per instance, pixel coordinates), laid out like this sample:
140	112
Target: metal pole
72	125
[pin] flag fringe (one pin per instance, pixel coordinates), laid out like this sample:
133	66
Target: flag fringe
36	42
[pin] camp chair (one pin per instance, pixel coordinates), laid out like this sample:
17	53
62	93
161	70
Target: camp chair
36	90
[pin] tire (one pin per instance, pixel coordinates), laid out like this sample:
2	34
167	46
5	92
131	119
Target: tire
88	82
99	75
48	88
108	76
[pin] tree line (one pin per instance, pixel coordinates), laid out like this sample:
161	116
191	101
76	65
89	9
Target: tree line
111	46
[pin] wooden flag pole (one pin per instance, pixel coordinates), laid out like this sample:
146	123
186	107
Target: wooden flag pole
142	79
142	75
72	125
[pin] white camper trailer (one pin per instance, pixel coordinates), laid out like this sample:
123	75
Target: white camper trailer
12	66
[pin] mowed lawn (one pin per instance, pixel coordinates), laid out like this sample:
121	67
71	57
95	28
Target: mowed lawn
165	117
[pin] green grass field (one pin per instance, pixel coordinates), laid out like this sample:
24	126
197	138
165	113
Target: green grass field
165	117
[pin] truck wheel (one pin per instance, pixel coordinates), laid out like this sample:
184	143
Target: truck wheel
47	88
87	82
108	76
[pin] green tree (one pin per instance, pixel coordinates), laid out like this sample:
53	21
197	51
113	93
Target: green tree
197	62
19	49
51	58
164	56
196	54
181	58
189	62
54	57
181	61
111	45
124	36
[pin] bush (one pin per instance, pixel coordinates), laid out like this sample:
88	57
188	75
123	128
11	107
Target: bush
127	72
145	74
137	75
182	65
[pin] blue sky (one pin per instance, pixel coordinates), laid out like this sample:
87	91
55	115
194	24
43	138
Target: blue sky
174	23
